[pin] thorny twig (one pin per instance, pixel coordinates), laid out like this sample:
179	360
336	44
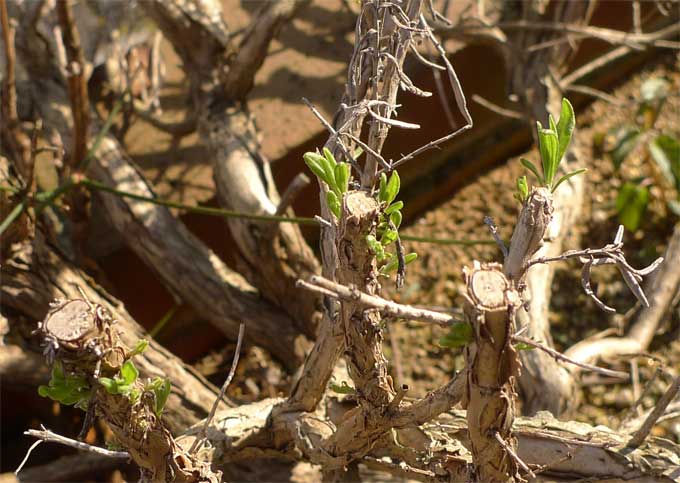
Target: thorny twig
609	254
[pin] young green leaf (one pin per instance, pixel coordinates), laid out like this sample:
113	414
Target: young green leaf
395	218
129	373
530	166
522	188
375	247
161	390
314	163
111	385
548	146
382	194
343	388
329	157
521	346
565	128
389	236
410	257
567	176
333	203
552	125
342	177
141	346
396	206
393	186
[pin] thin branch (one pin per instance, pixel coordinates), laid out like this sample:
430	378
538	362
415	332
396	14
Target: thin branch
327	287
561	357
77	81
28	455
609	254
589	91
46	435
639	436
508	449
230	376
292	191
496	108
494	232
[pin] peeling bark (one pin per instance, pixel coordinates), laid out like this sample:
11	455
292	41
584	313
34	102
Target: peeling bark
493	366
82	338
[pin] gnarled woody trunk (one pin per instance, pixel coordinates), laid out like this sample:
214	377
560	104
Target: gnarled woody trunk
493	366
82	338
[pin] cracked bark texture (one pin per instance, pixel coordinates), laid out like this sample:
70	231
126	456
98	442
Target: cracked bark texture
492	367
87	345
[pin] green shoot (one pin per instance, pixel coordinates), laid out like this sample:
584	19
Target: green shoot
553	143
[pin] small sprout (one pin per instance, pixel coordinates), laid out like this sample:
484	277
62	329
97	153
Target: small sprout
139	348
459	335
553	144
160	387
567	176
389	236
67	389
396	206
523	346
395	218
376	247
565	128
343	388
335	175
122	383
394	263
333	203
522	189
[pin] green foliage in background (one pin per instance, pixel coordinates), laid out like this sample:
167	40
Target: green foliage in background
661	149
553	142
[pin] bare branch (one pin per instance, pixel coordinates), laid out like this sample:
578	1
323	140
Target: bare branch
495	108
639	436
561	357
77	82
389	308
46	435
199	440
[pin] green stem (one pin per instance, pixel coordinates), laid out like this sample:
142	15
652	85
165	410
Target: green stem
13	215
203	210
